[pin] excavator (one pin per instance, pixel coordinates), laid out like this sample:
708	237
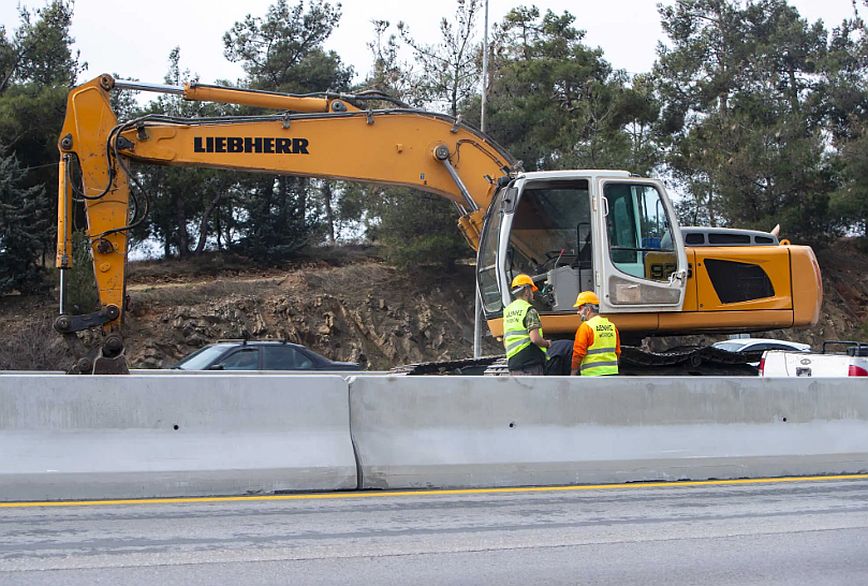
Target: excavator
602	230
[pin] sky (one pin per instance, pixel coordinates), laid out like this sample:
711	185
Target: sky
133	39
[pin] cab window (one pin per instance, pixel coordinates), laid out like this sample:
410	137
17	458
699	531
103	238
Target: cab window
639	232
551	227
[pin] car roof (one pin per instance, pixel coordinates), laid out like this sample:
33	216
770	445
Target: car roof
746	341
228	343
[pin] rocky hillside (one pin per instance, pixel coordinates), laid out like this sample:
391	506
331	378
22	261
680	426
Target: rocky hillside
845	285
356	308
364	312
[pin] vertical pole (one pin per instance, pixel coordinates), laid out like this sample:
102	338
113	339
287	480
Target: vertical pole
477	324
484	71
477	313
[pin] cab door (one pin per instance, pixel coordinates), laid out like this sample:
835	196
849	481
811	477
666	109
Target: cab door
641	265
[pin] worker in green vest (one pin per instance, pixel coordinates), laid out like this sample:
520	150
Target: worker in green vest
522	331
597	346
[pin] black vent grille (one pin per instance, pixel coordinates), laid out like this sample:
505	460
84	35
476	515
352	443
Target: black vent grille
728	239
737	281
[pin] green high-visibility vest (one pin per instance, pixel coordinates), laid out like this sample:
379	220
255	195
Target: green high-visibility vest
601	358
515	335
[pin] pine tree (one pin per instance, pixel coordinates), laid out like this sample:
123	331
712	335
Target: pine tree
555	103
37	67
20	229
283	51
743	114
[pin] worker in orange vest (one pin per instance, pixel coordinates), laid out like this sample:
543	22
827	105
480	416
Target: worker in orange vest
597	346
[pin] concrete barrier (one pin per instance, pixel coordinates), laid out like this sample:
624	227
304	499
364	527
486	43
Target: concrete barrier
67	437
70	437
345	374
413	432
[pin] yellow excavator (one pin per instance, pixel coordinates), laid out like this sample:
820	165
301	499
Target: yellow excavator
606	231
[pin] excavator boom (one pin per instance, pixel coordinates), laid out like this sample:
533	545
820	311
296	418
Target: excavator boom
322	136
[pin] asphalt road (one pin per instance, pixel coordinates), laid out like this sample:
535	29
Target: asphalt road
803	532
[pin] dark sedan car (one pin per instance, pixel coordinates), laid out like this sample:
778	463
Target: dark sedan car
259	355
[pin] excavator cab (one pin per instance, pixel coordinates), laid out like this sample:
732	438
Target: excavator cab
573	231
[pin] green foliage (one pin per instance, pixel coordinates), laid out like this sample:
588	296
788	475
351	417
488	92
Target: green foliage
20	227
37	66
437	249
44	46
186	203
283	51
850	200
30	116
428	235
747	113
8	59
275	226
757	114
841	96
79	282
414	228
557	104
449	70
389	74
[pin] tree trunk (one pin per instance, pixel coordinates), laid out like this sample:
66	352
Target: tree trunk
794	90
218	228
302	184
181	226
327	195
282	197
203	224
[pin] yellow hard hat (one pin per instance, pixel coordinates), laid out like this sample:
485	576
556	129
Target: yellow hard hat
586	297
522	281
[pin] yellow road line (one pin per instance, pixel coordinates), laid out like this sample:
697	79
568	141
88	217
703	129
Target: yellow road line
435	492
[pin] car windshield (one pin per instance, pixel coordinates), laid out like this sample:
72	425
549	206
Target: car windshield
729	346
202	358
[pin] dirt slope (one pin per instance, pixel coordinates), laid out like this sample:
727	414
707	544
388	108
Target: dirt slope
363	311
358	309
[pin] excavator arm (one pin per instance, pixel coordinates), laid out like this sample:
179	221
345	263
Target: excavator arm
315	136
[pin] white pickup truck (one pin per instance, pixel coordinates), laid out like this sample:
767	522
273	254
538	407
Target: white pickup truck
852	362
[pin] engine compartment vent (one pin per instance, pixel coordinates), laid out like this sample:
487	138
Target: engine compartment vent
706	236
